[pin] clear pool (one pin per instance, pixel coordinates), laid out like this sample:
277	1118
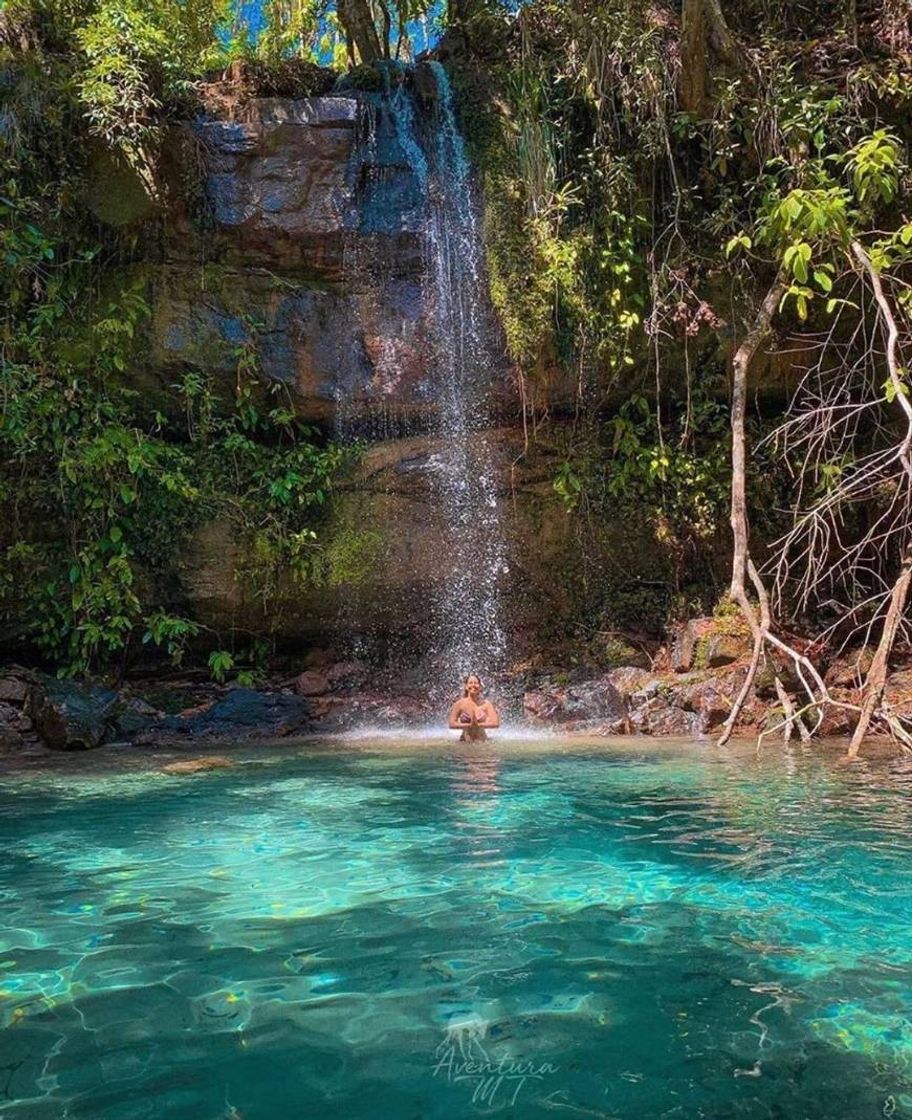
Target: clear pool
437	931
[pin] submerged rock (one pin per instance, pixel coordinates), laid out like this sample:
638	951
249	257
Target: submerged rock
197	765
70	716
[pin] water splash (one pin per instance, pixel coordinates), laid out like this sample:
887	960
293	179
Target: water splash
404	135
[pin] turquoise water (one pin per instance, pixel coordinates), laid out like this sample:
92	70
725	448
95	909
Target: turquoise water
439	932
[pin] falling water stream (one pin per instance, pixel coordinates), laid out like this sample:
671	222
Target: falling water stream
464	625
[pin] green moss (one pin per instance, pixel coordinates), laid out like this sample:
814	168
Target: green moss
362	77
114	192
619	654
701	653
353	550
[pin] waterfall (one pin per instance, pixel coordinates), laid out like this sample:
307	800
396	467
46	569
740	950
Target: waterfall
471	635
464	629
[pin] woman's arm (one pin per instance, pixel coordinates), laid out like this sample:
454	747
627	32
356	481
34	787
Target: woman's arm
491	715
459	709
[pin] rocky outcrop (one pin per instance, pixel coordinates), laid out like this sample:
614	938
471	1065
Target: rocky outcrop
631	700
70	716
312	683
243	713
597	701
278	182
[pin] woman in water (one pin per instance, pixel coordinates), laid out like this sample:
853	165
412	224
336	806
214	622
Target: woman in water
471	714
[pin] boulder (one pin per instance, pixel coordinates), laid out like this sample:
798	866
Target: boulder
70	716
836	722
245	713
899	692
899	683
366	710
683	647
765	683
850	669
346	674
133	715
13	690
657	710
628	679
711	699
595	700
311	683
663	719
10	721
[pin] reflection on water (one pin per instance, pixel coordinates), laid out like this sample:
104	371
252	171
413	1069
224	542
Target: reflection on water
475	806
449	932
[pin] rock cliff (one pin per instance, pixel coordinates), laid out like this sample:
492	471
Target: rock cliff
292	239
301	244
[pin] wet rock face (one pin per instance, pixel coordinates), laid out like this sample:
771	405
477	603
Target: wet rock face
278	178
312	254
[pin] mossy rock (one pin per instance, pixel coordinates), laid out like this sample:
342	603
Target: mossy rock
368	78
713	651
114	191
620	654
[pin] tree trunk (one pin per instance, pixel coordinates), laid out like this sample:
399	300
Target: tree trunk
693	57
358	24
387	28
704	36
740	367
724	45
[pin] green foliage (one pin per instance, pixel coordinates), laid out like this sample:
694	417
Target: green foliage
171	632
565	245
221	662
874	164
667	491
100	504
97	495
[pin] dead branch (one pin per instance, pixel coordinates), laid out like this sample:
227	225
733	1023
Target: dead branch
876	679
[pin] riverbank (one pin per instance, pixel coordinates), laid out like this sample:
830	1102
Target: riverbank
41	714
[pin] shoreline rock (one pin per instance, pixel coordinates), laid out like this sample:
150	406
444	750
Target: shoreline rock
70	716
